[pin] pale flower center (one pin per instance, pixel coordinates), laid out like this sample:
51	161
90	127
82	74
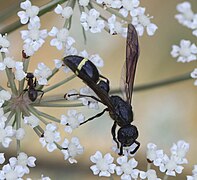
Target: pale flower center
171	165
62	35
22	160
189	15
127	5
91	21
32	11
34	34
185	51
11	175
126	168
72	149
49	136
102	165
144	20
74	123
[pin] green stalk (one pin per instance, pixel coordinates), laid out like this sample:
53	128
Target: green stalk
12	113
52	118
59	83
157	84
18	125
31	109
10	76
165	177
58	105
67	24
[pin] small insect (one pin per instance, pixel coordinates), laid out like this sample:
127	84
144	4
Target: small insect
120	110
31	85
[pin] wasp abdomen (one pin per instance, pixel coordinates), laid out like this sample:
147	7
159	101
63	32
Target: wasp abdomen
82	67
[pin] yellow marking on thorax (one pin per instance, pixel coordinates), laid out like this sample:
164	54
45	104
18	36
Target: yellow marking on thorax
81	64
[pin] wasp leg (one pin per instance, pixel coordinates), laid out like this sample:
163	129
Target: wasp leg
41	94
121	150
96	116
104	78
137	147
113	132
83	95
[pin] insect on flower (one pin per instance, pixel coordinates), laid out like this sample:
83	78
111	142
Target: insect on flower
32	92
120	110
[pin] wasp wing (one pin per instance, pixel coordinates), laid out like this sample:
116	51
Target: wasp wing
129	68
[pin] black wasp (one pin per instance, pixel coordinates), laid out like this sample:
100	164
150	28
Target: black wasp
119	110
31	85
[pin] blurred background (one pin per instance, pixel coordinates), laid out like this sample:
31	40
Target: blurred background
163	115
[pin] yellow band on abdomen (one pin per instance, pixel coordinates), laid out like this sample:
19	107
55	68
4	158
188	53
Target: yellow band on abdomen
81	64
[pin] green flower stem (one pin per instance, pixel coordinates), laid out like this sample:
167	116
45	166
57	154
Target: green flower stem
165	177
1	88
148	166
18	125
67	24
25	67
32	110
81	9
10	76
52	99
43	10
37	131
47	116
40	129
12	113
59	83
58	105
157	84
6	109
54	71
58	146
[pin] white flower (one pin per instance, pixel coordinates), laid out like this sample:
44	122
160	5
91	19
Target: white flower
170	166
91	22
84	2
4	43
126	168
72	149
104	166
5	133
110	3
11	173
2	158
194	76
70	51
194	25
88	101
129	6
95	58
50	136
32	120
154	155
194	174
33	36
28	49
5	95
66	12
20	134
9	62
45	177
62	38
42	73
20	74
150	175
30	12
58	63
116	27
186	14
141	21
23	160
186	52
179	150
72	121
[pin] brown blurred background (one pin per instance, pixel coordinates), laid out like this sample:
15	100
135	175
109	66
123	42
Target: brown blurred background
163	115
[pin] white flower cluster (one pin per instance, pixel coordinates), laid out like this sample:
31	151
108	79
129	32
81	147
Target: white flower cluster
93	21
187	17
194	174
126	167
17	167
187	51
